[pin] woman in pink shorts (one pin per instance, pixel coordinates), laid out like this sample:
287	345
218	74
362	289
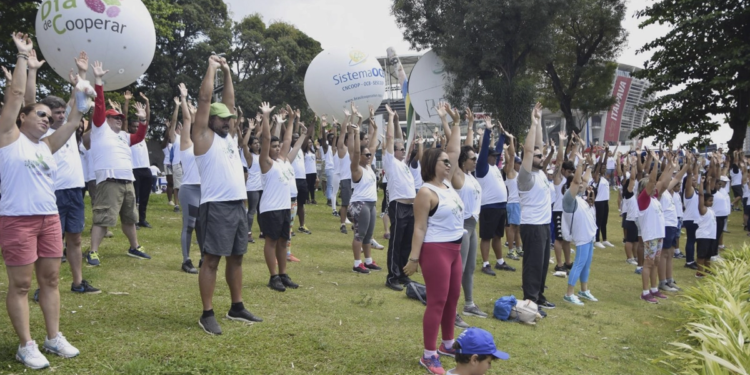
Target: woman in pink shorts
30	231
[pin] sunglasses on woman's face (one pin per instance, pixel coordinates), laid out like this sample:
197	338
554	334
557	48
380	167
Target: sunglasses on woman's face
538	156
447	162
368	155
42	114
473	159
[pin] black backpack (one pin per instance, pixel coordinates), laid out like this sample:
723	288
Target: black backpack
417	291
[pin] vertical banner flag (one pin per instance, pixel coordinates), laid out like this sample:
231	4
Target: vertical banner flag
614	116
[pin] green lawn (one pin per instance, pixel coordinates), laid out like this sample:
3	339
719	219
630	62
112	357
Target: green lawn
337	322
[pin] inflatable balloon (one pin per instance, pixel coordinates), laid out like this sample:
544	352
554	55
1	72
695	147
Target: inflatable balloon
426	82
119	33
337	77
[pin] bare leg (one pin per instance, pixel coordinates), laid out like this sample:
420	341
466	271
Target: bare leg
301	214
233	275
97	234
357	249
497	247
48	277
130	233
484	247
639	252
387	224
281	256
566	251
170	189
75	259
646	273
207	280
269	253
17	301
366	247
629	250
176	197
558	253
342	214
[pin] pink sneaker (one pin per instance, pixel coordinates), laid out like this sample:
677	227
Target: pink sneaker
448	352
432	365
659	294
649	298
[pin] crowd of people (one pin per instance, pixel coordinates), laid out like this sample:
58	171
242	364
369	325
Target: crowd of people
224	171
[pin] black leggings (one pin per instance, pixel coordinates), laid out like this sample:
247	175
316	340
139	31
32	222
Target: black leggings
311	177
142	187
602	214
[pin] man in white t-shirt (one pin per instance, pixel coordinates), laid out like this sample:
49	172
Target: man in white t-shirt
222	220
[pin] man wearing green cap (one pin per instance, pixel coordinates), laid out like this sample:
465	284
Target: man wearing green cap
222	221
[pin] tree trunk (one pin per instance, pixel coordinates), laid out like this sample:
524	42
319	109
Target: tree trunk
739	116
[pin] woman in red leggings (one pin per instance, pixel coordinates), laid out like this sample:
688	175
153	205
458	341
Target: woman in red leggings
436	244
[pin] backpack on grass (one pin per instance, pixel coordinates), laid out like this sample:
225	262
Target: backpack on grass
417	291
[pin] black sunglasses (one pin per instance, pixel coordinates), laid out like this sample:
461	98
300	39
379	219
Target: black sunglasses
368	155
447	162
538	156
473	159
42	114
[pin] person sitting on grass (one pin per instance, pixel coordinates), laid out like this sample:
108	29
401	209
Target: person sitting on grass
475	350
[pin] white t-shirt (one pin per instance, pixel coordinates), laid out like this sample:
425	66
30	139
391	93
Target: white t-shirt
447	223
677	201
602	193
736	178
220	171
276	182
512	184
243	160
668	209
190	174
299	165
471	195
582	222
610	163
400	179
416	174
558	205
366	189
651	220
111	152
139	153
69	167
707	224
28	171
254	182
722	202
493	187
167	150
344	167
536	203
691	208
310	167
292	182
328	157
177	158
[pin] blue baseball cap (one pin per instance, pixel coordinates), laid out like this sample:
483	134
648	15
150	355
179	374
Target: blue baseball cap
478	341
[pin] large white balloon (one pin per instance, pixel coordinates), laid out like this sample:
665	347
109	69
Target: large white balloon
426	82
119	33
336	77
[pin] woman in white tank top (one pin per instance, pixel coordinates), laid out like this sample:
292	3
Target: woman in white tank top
361	210
436	243
30	230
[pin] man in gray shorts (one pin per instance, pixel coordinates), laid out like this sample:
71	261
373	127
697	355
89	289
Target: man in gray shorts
222	221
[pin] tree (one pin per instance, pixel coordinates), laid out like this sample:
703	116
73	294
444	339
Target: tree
587	36
487	46
270	63
701	68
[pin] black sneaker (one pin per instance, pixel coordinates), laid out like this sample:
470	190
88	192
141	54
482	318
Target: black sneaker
361	269
691	265
542	313
84	288
144	224
276	284
373	267
188	267
560	269
394	286
138	253
287	281
210	325
176	208
488	270
568	266
504	267
242	316
404	280
546	305
343	229
328	203
304	229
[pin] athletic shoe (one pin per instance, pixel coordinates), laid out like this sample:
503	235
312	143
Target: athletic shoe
716	258
608	244
328	203
343	229
488	270
387	236
276	284
506	244
304	229
188	267
679	255
84	288
659	294
361	269
504	267
560	269
649	298
587	295
699	275
599	245
546	305
262	236
335	213
287	281
293	234
665	287
176	208
250	237
449	352
394	286
109	234
638	270
373	267
519	252
138	253
432	365
30	356
691	265
404	280
459	323
542	312
376	245
292	258
632	261
171	203
144	224
92	258
512	254
573	299
673	285
242	316
552	260
60	346
347	222
210	325
473	310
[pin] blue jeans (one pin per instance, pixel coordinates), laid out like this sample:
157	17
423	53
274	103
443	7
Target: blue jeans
582	264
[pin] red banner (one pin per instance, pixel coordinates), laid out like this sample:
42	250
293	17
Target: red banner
614	116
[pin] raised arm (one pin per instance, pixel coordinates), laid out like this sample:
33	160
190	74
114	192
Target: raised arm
469	141
354	152
186	141
265	136
389	131
128	97
528	145
202	134
510	156
61	136
14	101
34	65
557	177
453	149
323	136
286	145
341	147
245	146
148	108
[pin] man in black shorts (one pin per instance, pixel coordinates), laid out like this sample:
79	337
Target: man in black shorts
222	220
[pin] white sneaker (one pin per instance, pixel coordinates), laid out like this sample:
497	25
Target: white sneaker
30	356
552	260
376	245
716	258
599	245
60	346
632	261
347	222
666	287
171	203
608	244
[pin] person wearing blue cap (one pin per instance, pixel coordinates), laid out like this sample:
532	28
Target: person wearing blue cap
475	350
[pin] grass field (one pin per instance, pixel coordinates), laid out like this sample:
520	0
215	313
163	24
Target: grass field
337	322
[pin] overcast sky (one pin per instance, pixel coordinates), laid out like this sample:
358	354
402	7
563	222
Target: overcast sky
370	27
